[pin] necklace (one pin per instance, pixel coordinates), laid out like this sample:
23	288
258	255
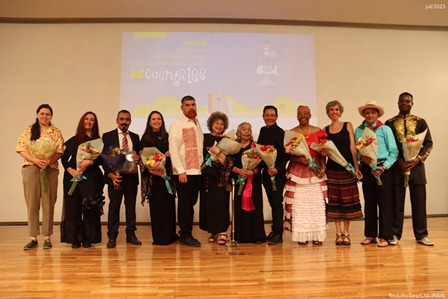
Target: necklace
309	132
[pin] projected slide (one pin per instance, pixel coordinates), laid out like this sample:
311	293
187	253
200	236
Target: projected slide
236	73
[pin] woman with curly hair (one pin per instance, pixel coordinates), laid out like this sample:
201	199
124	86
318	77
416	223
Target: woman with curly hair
215	188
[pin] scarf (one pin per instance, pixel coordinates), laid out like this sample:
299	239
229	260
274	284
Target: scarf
247	203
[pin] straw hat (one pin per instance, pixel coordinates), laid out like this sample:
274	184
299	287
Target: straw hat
371	104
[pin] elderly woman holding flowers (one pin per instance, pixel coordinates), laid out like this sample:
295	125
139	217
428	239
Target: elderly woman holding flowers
41	145
154	189
377	179
305	187
215	188
248	209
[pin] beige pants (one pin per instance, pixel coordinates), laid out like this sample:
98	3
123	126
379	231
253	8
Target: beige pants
35	197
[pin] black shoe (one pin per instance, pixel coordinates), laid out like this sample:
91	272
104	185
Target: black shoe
76	244
30	245
133	240
189	241
112	243
275	239
86	244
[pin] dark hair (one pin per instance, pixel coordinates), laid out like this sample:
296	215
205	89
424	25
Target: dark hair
149	135
270	107
187	98
35	128
123	111
406	94
334	103
80	136
214	117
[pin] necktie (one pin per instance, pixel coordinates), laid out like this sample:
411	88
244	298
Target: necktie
124	142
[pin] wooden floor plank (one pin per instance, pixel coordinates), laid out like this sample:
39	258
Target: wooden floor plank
408	270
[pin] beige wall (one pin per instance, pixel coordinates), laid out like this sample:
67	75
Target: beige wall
368	12
76	67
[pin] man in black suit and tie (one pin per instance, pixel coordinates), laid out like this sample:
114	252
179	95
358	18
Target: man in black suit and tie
123	184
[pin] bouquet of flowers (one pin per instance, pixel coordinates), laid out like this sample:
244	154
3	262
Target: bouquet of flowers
42	148
335	155
367	145
295	144
89	150
250	159
227	145
152	158
411	148
118	161
269	154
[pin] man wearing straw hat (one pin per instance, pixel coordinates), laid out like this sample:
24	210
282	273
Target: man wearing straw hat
405	125
377	179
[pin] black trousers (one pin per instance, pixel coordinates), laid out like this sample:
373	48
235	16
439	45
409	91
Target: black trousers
187	197
377	199
418	204
129	191
275	199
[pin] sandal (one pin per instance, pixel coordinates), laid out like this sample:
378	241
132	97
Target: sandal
303	243
382	243
346	240
368	241
212	238
317	243
222	239
339	240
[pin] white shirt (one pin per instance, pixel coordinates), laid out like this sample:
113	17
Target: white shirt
186	142
128	137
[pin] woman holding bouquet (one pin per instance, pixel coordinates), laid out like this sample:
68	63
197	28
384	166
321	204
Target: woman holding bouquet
306	188
377	197
343	195
41	145
215	188
81	211
162	207
248	209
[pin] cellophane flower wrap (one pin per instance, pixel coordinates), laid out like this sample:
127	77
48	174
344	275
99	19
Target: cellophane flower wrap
118	161
42	148
269	154
411	148
89	150
335	155
152	158
249	159
227	145
367	145
295	144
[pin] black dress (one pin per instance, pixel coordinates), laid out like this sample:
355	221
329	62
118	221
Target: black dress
214	216
81	212
162	208
249	225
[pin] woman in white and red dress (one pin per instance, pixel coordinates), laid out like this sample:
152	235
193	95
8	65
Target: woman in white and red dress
306	190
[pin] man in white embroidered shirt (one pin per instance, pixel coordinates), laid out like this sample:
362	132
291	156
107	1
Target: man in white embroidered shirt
185	144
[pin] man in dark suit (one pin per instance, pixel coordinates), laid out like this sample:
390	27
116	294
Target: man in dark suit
124	183
406	125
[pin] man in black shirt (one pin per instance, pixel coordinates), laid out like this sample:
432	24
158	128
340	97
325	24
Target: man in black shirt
272	134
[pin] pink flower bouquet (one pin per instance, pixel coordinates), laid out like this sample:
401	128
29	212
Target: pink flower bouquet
411	148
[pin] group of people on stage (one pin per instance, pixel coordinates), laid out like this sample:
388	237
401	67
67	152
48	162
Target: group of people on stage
308	190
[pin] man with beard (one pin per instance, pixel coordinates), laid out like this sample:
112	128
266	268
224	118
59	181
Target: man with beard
405	125
186	145
123	184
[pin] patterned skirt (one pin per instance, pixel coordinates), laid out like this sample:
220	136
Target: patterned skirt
343	196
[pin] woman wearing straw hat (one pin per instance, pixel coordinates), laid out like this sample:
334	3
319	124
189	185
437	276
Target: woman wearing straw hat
377	180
